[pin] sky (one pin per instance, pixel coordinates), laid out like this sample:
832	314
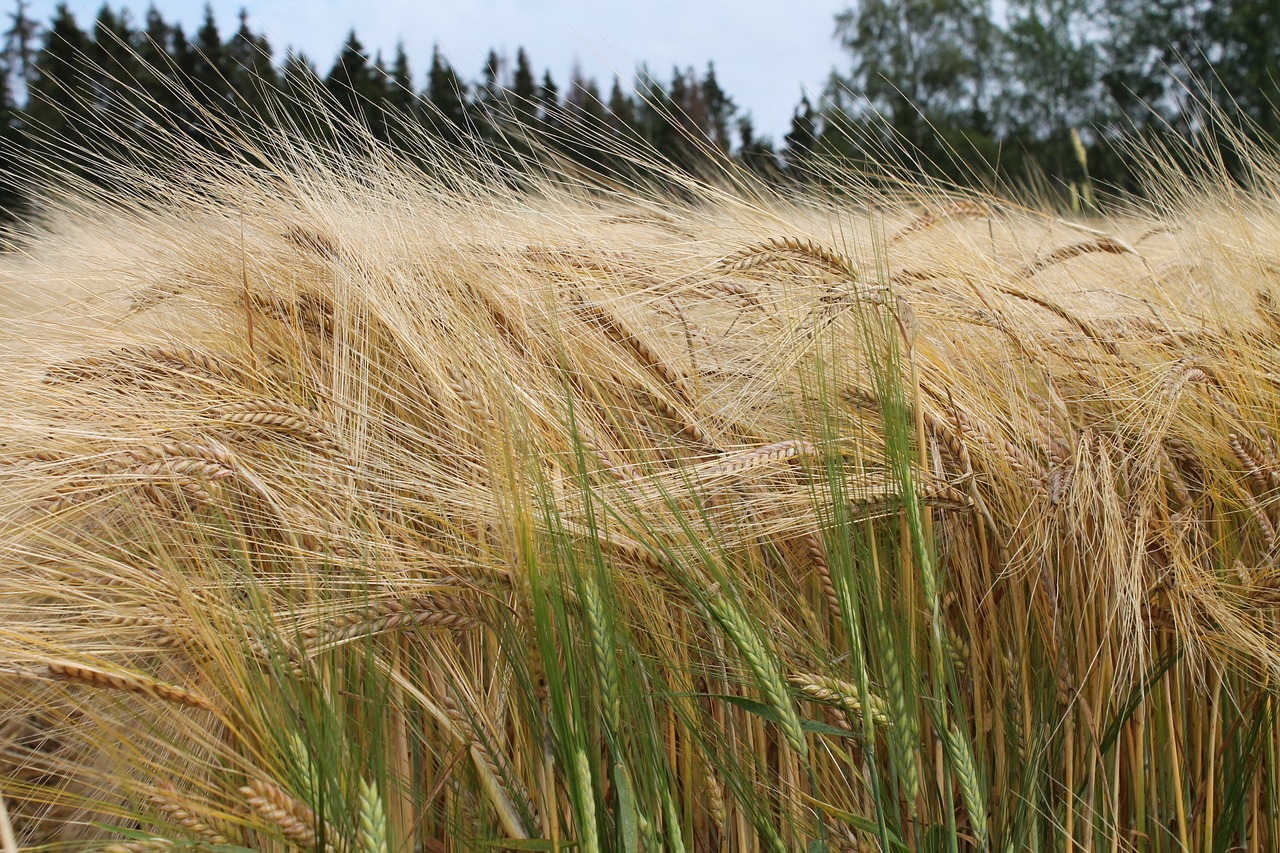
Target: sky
767	53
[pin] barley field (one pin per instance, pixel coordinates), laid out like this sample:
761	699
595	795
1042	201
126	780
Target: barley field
347	505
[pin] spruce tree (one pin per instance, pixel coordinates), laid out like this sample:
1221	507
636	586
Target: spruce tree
8	141
249	68
114	68
548	103
622	109
20	50
400	92
351	81
447	95
209	71
524	91
801	141
59	94
719	111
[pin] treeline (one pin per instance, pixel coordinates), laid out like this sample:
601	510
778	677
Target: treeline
67	86
1034	89
978	88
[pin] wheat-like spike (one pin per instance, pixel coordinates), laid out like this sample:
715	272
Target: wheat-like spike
1268	527
278	416
193	491
875	496
313	241
126	682
763	666
817	553
1032	472
776	249
966	773
1173	479
903	727
166	797
734	290
842	694
471	396
313	313
957	648
143	846
296	820
603	649
373	820
1261	585
1058	482
659	405
143	361
961	209
1263	474
779	451
1102	244
633	551
177	462
949	440
1182	374
213	459
715	796
617	332
421	611
496	770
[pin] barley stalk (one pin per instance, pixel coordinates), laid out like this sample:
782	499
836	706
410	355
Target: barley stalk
166	798
763	666
125	682
961	209
495	770
966	774
373	820
782	250
148	361
419	612
295	819
779	451
1103	244
842	694
617	332
278	416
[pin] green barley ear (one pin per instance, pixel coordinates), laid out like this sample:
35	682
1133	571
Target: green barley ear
966	773
763	665
373	820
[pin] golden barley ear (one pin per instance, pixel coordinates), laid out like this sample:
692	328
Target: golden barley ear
790	254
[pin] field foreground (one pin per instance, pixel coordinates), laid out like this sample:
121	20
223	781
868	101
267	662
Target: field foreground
342	508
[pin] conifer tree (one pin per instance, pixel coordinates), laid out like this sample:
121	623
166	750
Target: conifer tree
209	77
114	68
20	50
353	83
524	91
447	95
801	141
622	108
719	109
8	141
400	95
59	93
250	70
548	103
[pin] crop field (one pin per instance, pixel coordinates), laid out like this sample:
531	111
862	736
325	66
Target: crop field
351	506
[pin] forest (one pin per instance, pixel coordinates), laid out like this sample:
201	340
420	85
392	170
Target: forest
1045	95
